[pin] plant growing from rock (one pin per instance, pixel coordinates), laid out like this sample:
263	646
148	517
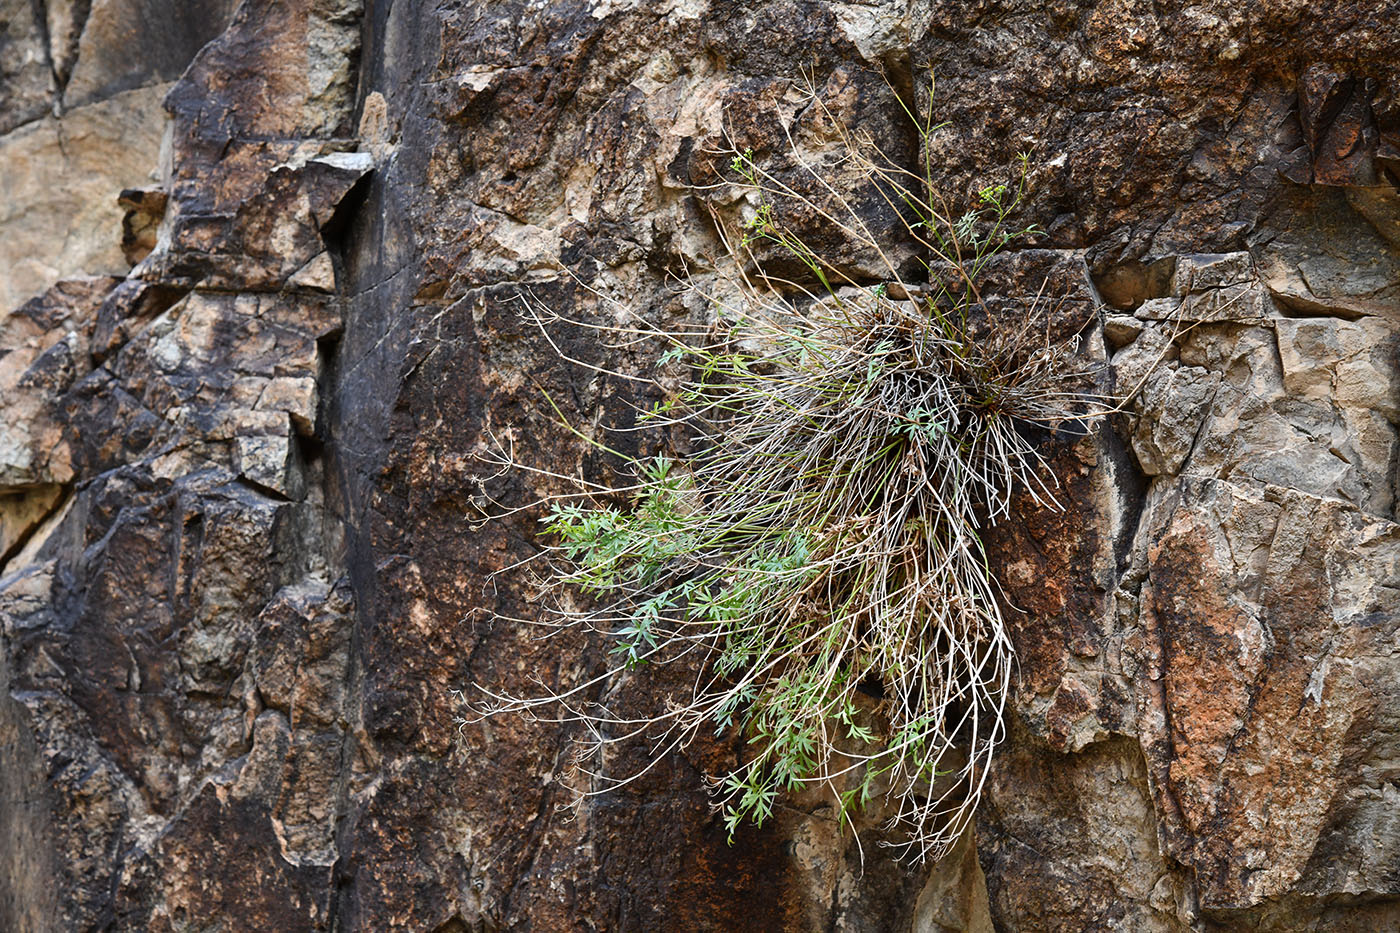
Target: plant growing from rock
818	558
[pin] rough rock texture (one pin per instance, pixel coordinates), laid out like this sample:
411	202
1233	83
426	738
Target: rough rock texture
243	569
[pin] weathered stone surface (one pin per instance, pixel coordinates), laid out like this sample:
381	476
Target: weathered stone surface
1261	602
1318	255
26	79
58	193
43	352
244	570
1268	631
115	45
1070	844
144	209
177	416
22	512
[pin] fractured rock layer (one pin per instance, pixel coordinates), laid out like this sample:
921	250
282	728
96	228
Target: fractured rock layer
258	322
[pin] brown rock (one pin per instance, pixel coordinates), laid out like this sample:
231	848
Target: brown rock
144	209
1259	670
240	504
26	80
58	212
114	45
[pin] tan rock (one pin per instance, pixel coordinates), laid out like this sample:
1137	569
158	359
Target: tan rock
58	194
21	513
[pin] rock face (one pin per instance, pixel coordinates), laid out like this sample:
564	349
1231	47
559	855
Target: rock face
243	566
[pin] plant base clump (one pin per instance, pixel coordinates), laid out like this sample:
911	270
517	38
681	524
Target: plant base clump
818	559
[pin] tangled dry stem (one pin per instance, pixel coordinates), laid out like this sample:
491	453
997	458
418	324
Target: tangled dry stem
823	543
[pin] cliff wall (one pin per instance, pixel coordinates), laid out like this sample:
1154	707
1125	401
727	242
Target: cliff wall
257	263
